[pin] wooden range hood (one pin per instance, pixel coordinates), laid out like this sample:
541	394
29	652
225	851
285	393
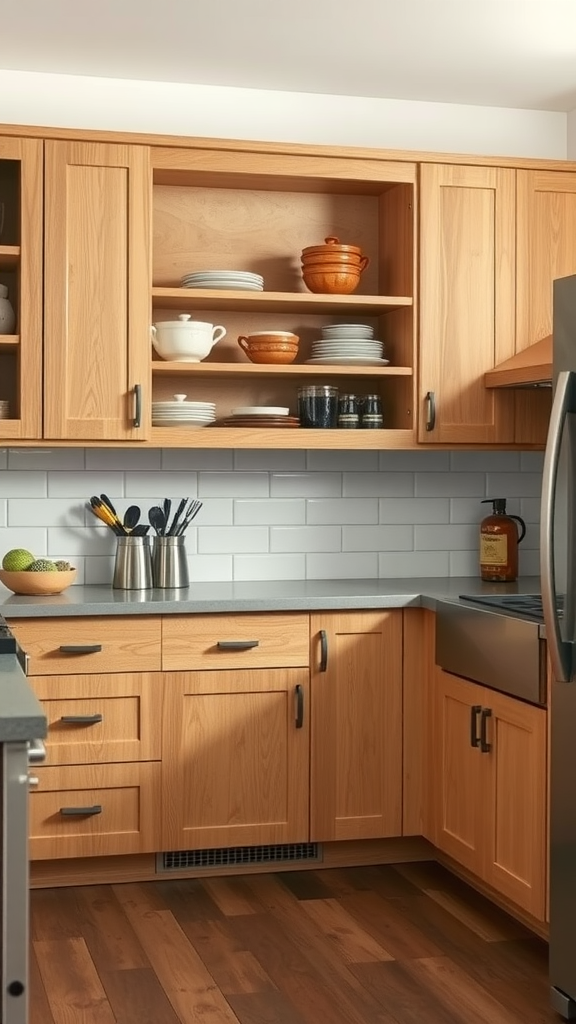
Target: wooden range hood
530	368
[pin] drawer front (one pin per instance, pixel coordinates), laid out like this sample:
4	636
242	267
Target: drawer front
235	641
97	719
72	646
95	811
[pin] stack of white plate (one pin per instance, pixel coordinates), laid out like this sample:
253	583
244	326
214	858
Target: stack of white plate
183	414
234	280
348	344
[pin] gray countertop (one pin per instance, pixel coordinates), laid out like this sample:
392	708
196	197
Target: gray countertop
21	714
259	596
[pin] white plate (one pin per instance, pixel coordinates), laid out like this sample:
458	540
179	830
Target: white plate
191	424
222	273
260	410
337	346
349	361
238	286
360	330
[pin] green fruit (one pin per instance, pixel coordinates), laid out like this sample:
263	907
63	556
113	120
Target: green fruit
42	565
17	560
62	566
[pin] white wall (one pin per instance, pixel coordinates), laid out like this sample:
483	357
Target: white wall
571	135
219	112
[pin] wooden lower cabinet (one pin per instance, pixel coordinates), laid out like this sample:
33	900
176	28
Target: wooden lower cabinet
488	762
356	744
235	758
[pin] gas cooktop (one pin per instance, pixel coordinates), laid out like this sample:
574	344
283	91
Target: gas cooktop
527	605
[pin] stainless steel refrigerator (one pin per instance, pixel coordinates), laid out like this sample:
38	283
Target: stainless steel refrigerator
558	579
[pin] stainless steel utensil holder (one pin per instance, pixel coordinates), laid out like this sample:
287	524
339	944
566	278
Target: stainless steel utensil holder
133	566
169	562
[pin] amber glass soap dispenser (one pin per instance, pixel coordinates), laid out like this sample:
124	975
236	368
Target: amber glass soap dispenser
499	540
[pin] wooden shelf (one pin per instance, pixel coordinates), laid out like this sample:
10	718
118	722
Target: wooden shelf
9	256
275	370
9	342
281	437
288	302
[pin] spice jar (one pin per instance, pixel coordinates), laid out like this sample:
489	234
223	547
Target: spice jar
371	412
318	406
348	412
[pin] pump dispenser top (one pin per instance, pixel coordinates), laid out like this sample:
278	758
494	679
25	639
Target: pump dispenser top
499	540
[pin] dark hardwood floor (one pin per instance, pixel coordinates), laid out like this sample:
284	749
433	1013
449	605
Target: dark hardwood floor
379	945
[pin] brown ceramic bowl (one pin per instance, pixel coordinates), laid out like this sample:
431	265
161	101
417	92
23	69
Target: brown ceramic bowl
260	350
331	280
343	262
37	583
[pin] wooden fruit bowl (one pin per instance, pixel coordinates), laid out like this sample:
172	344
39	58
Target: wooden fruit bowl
37	583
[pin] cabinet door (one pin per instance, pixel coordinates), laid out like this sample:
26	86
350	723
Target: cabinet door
97	291
236	758
21	272
356	748
460	796
467	299
515	828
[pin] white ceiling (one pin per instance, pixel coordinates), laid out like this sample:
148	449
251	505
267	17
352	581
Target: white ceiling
505	53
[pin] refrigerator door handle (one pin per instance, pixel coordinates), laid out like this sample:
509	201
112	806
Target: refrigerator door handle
561	651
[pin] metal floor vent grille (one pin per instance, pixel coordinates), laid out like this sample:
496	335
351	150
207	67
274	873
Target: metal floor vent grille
238	856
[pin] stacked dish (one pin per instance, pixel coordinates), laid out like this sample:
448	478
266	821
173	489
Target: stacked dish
183	414
260	416
233	280
348	344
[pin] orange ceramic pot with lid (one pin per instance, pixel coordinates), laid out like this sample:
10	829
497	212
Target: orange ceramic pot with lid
332	246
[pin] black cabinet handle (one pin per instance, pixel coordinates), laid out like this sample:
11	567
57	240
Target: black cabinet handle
323	650
137	405
431	410
485	747
474	737
237	645
299	691
80	648
81	719
81	812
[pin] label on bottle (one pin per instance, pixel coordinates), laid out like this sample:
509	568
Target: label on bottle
493	549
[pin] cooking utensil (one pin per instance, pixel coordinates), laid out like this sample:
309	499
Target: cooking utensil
166	505
171	531
192	511
131	518
157	520
106	500
140	531
112	517
103	514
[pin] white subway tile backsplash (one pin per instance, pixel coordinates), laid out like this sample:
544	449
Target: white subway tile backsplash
377	538
232	539
438	485
414	510
445	538
412	461
14	484
48	459
123	458
275	514
344	566
269	459
161	484
305	485
376	485
233	485
407	564
341	461
305	538
269	567
195	459
342	510
269	511
83	483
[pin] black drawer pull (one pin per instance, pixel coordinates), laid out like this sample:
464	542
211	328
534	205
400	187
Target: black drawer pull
323	650
81	648
299	706
237	645
485	747
474	737
81	812
431	410
81	719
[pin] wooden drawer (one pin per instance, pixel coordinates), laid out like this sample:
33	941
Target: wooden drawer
123	643
128	796
98	719
217	641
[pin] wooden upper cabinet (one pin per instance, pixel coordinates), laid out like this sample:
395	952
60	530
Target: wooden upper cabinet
21	273
467	302
97	291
